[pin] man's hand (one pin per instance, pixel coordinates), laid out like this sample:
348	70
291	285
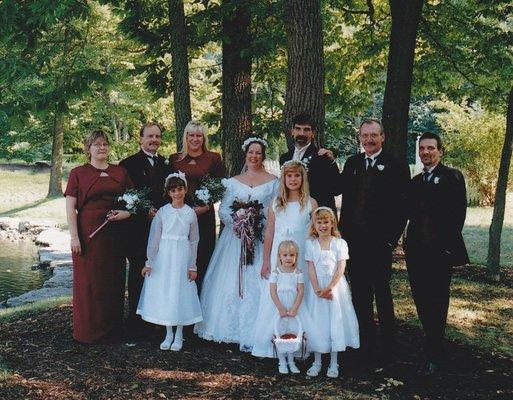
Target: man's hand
327	153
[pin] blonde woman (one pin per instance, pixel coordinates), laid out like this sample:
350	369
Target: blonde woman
289	216
196	162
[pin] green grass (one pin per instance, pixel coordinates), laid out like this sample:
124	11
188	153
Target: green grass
475	233
13	313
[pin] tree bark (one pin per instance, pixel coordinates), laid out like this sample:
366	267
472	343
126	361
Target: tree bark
180	68
396	103
55	186
494	243
305	71
236	83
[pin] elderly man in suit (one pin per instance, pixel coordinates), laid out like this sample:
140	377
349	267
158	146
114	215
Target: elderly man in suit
434	242
148	170
322	169
373	186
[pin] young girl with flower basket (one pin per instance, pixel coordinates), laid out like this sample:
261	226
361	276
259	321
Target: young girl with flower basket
284	327
169	295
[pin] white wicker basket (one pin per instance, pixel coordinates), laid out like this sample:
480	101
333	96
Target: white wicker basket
287	326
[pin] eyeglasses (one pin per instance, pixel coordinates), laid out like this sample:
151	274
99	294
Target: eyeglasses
100	145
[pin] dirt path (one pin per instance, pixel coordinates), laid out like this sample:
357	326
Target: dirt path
50	365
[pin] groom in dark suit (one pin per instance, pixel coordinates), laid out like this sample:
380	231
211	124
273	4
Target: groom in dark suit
373	186
434	243
322	169
148	170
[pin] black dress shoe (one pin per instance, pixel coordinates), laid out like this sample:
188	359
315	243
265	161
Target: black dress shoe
430	368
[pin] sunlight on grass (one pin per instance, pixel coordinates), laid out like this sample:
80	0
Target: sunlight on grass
13	313
480	314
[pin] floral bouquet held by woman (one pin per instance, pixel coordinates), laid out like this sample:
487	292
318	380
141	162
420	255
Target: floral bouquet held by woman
248	225
210	191
134	201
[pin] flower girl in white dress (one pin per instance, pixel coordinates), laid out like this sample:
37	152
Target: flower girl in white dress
289	216
286	289
169	295
329	302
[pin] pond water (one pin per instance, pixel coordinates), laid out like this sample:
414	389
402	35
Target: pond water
16	275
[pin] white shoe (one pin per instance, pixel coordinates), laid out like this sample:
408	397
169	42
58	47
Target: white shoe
166	344
314	370
332	371
293	368
282	368
177	344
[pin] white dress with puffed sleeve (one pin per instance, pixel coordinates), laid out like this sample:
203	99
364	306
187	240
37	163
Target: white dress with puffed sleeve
335	320
168	297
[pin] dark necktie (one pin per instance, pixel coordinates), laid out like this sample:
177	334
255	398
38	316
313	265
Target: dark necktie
154	158
425	176
368	160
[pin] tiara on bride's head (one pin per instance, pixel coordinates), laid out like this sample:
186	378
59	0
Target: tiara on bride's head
294	162
179	175
253	139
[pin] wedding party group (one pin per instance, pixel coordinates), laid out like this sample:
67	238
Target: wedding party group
274	280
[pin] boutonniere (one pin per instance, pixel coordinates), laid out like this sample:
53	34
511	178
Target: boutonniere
380	167
306	160
436	179
166	161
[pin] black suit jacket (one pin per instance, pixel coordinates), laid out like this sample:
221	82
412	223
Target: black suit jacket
144	175
321	174
373	201
437	211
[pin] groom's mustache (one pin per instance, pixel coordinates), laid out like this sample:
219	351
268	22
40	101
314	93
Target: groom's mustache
301	140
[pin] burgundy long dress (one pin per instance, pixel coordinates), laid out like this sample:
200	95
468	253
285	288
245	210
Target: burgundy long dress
99	271
195	168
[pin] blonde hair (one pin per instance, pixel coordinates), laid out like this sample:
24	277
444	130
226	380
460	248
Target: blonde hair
194	126
322	213
283	191
287	245
91	138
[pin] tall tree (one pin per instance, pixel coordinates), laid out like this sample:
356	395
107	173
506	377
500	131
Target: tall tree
305	71
236	82
396	103
494	246
180	68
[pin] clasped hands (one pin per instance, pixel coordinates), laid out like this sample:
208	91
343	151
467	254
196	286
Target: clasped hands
191	273
324	293
287	313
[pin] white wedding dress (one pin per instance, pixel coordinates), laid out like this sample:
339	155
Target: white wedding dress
228	317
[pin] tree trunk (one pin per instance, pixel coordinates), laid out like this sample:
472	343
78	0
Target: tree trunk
236	85
305	72
55	186
396	103
494	243
180	72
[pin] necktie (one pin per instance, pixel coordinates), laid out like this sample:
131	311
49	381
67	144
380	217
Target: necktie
153	160
425	176
368	160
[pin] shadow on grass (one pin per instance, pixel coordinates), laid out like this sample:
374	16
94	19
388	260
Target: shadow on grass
29	206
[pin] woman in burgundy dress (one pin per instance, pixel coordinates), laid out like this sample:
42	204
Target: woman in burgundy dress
98	262
197	162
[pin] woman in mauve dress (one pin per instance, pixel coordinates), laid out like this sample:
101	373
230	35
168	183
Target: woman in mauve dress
98	262
196	162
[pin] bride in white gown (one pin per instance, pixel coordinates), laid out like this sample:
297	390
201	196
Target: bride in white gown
228	317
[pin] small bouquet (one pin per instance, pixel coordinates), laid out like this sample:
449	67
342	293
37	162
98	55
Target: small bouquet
248	224
210	191
134	201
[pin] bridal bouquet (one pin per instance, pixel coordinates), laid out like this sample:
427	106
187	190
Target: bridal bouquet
248	225
134	201
210	191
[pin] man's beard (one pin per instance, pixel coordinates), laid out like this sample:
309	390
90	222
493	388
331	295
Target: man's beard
301	140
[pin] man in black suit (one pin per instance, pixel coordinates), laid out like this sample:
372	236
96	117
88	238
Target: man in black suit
434	243
373	186
322	169
148	170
